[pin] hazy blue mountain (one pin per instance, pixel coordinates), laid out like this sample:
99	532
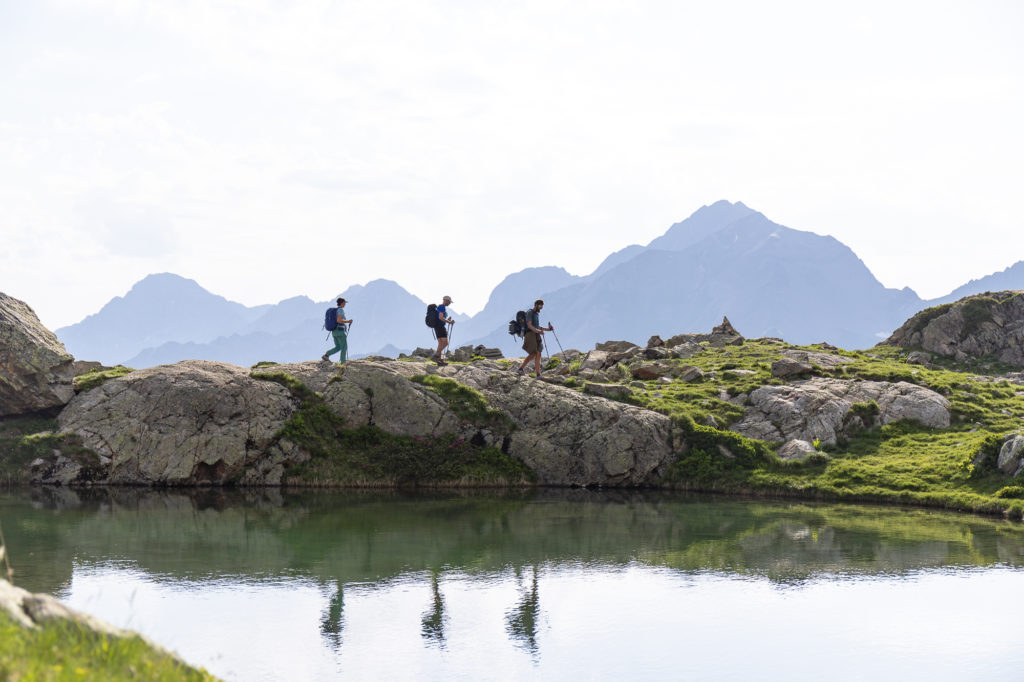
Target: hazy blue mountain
516	292
731	261
1010	278
724	260
383	312
704	222
617	258
158	309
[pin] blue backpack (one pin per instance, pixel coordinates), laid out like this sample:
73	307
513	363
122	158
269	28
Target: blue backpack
331	319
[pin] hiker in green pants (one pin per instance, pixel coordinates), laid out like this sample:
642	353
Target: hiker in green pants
340	335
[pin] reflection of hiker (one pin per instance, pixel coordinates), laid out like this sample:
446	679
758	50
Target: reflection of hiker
441	330
532	343
340	334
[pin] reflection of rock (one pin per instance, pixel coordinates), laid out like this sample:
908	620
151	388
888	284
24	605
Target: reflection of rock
821	408
35	369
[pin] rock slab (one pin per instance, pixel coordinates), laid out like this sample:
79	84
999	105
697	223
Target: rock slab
36	372
821	408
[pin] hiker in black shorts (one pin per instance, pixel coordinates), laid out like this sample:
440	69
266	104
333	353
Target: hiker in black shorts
441	329
533	344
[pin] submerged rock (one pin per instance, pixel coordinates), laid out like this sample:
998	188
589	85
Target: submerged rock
36	372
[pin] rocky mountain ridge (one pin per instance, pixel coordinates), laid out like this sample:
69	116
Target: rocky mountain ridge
772	280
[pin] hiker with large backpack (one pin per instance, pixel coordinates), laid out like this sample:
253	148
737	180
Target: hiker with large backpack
337	325
533	344
437	319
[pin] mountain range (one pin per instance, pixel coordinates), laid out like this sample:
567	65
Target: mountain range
724	260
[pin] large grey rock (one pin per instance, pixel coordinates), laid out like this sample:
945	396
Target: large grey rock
820	408
1010	456
194	422
989	324
566	437
788	367
814	358
36	372
613	391
595	360
615	346
796	451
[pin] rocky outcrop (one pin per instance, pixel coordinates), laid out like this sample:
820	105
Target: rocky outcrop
722	335
566	437
823	409
194	422
201	422
796	451
35	371
986	325
31	610
1011	455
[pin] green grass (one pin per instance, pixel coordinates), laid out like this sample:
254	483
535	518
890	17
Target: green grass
901	463
468	403
98	377
66	651
25	439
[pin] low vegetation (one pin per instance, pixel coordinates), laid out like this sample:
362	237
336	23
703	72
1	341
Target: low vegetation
23	440
65	651
899	462
98	377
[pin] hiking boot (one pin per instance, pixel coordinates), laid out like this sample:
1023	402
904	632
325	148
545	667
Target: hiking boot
520	372
325	358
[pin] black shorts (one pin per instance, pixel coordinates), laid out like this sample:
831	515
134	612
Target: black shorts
441	331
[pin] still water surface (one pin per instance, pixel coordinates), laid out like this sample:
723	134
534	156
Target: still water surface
544	585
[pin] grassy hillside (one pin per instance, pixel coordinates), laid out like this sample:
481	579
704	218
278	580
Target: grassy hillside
900	462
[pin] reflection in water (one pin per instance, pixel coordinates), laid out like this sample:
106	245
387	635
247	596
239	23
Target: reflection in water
434	618
521	621
459	577
333	622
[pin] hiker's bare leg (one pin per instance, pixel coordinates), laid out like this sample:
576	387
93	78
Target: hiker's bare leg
442	343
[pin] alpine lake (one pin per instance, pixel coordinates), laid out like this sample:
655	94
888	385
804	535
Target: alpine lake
539	584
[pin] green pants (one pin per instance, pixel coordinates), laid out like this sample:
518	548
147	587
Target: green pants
340	343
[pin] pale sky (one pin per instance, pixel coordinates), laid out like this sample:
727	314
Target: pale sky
268	149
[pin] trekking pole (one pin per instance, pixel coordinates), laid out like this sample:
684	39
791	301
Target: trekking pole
559	345
451	328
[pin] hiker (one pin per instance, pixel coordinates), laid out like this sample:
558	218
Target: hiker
441	330
533	344
340	335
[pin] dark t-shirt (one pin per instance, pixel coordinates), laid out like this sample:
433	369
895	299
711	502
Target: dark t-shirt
533	317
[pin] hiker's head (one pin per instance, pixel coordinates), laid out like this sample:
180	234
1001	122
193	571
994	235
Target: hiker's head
447	300
538	304
341	302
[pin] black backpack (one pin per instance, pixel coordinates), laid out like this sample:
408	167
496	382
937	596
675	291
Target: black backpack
431	318
517	327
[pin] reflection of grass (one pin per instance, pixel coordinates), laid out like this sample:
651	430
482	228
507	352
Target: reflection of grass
65	651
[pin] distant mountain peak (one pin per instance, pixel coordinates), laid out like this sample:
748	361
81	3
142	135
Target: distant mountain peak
702	223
